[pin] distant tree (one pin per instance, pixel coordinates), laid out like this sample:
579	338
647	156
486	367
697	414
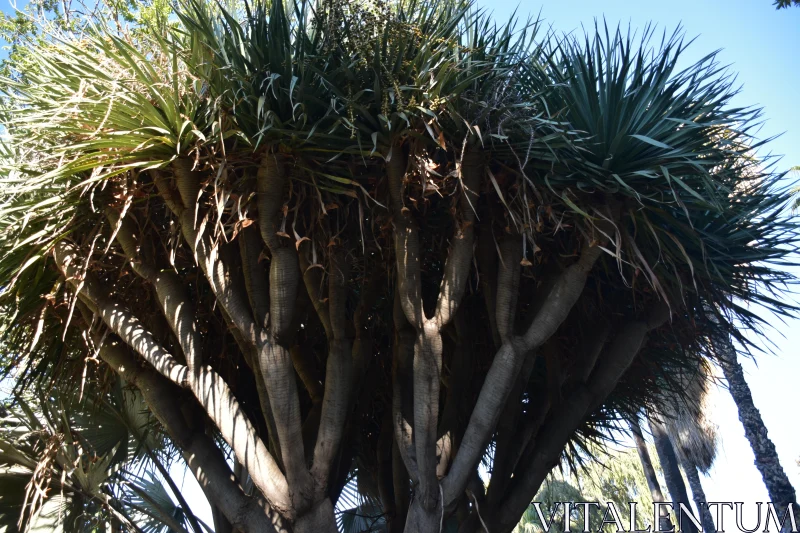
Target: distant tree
35	20
646	460
693	433
553	491
612	475
615	475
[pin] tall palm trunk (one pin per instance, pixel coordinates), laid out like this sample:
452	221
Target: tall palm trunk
781	492
647	462
672	472
649	470
699	495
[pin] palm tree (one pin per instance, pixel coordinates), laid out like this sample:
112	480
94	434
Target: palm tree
694	435
391	238
647	462
648	468
670	465
99	460
780	490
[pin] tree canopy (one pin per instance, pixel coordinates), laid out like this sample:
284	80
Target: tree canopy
376	240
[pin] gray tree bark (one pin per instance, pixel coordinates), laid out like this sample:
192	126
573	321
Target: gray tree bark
672	473
780	490
649	470
647	462
294	476
699	495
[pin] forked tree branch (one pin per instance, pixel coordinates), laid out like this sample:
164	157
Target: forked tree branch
402	390
507	431
172	298
338	374
211	391
206	253
177	307
508	361
119	319
459	259
427	363
406	241
543	453
539	408
201	454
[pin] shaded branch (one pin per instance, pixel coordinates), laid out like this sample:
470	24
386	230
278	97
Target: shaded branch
338	374
255	277
206	253
543	453
274	358
402	390
201	454
119	319
507	363
211	391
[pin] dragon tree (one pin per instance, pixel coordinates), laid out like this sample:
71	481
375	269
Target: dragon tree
377	244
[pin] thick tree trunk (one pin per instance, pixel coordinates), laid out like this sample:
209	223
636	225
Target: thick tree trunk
781	492
221	524
422	520
202	456
672	473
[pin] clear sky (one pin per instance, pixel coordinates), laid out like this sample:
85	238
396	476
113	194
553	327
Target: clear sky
762	45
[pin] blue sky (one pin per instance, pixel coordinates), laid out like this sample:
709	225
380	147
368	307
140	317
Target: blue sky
762	45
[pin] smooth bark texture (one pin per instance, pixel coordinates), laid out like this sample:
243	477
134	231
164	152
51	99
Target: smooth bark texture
427	359
308	494
211	391
507	363
542	453
338	376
